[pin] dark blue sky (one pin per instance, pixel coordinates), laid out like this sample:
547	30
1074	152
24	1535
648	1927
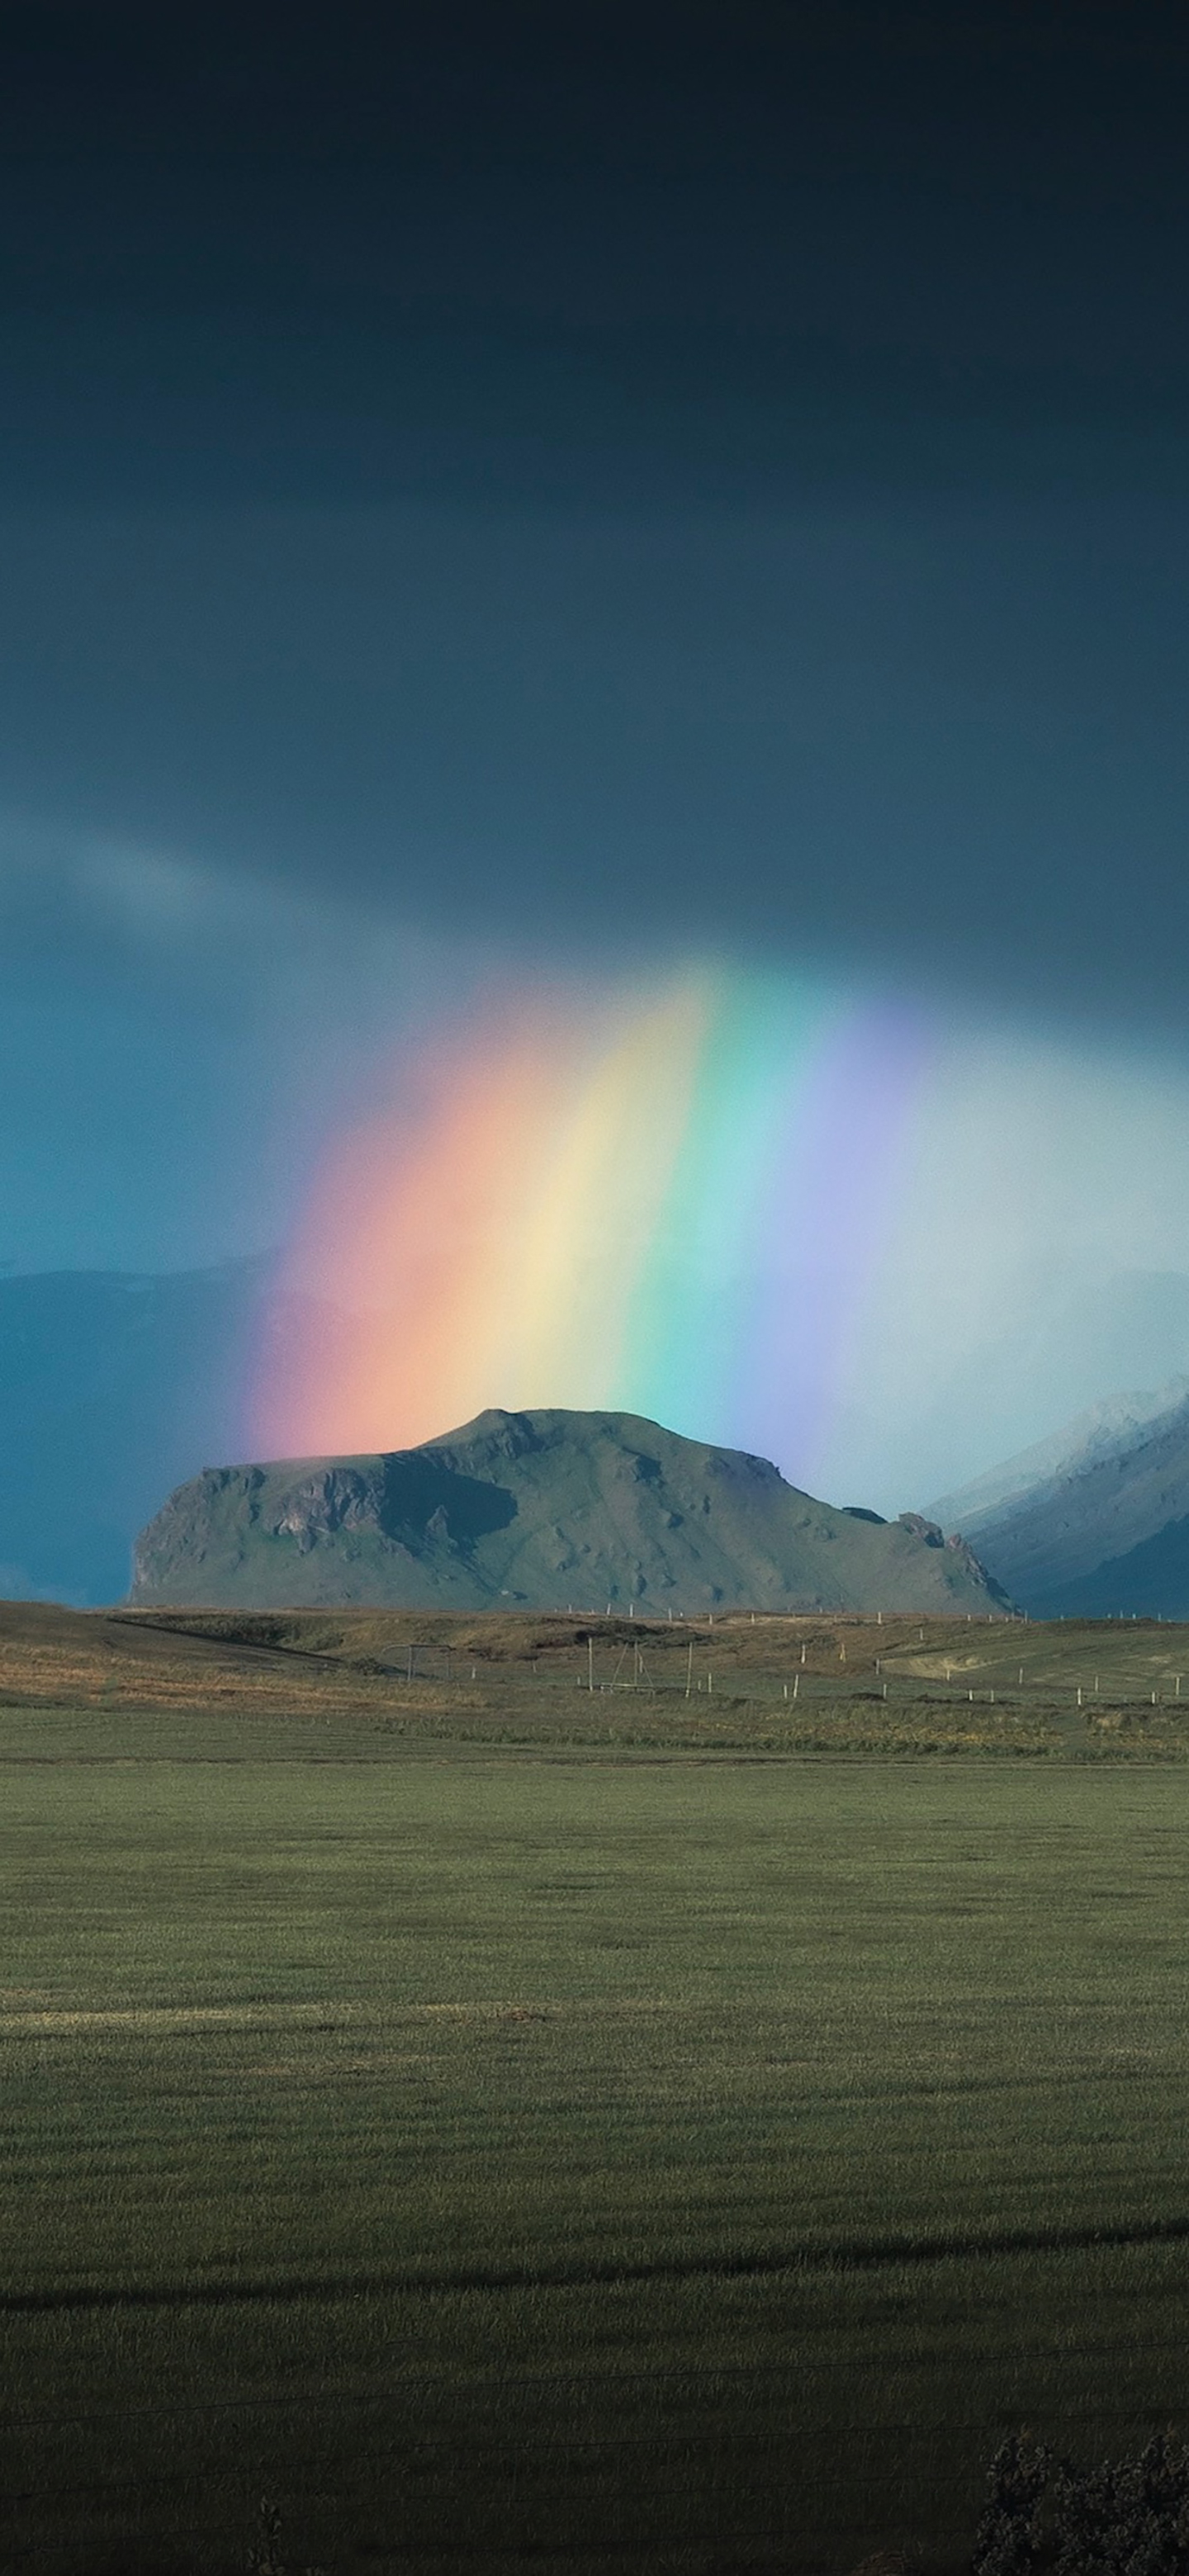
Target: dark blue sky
588	480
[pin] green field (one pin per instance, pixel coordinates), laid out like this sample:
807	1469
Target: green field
572	2154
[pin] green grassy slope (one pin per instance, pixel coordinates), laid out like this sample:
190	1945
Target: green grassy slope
621	2163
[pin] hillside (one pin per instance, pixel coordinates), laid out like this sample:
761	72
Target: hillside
542	1510
1106	1530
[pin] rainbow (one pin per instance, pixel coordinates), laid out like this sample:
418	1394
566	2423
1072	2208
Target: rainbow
670	1200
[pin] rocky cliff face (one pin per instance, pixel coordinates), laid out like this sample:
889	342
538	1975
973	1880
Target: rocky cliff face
543	1510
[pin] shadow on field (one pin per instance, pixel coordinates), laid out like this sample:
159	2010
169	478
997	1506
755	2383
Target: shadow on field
1044	2516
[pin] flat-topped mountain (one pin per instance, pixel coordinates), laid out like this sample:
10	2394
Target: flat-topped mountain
543	1510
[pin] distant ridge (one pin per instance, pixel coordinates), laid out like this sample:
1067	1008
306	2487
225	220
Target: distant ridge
1095	1433
1104	1527
543	1510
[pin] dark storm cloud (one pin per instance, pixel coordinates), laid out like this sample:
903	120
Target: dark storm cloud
706	474
591	252
932	738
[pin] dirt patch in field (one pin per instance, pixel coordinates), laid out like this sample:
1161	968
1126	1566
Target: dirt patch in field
937	1668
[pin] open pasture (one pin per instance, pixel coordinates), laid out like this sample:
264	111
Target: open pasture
564	2150
848	1683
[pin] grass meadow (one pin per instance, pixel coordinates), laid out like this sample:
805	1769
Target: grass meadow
568	2152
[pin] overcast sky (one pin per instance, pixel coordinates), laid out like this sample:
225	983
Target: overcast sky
595	482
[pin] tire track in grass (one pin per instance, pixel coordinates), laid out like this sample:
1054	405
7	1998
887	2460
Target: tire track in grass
842	2254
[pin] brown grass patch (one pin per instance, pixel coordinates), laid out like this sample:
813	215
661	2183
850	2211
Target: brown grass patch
162	2019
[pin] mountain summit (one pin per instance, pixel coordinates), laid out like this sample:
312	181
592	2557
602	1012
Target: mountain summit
543	1510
